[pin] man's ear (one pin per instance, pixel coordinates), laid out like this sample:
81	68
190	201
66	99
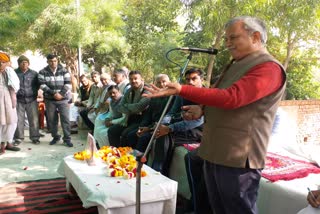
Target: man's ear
256	36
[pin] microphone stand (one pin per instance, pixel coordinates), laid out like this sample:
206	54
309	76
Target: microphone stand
141	157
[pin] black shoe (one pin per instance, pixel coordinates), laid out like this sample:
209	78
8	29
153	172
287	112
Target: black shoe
12	148
74	131
42	135
54	141
17	142
68	143
36	142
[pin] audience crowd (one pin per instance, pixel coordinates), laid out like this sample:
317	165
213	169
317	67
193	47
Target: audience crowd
110	105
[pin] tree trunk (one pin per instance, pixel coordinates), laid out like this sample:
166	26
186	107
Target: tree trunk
289	54
71	60
213	57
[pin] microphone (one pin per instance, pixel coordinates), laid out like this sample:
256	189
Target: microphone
201	50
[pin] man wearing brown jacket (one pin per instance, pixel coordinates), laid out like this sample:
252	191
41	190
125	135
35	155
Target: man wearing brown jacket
239	112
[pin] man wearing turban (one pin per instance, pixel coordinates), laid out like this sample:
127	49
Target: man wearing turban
9	85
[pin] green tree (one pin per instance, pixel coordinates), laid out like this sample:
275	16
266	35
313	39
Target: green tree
109	47
205	26
301	80
151	30
293	26
138	33
15	18
294	23
59	28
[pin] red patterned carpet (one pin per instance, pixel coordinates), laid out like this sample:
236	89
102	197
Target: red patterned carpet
280	167
42	196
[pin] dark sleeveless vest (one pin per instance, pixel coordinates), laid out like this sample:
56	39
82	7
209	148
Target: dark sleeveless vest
239	137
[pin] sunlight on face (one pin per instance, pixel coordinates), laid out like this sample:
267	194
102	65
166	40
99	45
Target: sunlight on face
3	65
194	79
118	78
114	94
95	78
84	81
135	80
104	80
162	82
53	63
24	65
239	41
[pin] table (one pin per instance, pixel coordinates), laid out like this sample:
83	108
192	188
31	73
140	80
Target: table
116	194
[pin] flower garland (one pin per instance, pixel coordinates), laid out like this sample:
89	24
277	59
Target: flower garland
120	162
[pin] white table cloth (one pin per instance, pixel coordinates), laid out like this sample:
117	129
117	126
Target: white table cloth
285	196
117	194
309	210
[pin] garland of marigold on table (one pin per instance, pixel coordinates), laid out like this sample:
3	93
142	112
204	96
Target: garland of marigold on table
120	161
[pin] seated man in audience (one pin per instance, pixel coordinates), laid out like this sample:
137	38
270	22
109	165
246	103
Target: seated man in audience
93	97
80	103
112	117
120	78
102	103
133	105
139	138
181	131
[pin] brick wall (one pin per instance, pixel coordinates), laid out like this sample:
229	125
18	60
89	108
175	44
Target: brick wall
305	118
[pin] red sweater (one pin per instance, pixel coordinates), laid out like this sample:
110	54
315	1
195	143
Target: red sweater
260	81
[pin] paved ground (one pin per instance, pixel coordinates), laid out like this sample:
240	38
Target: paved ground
41	161
35	162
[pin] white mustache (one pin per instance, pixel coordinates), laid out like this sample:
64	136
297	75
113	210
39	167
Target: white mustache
230	48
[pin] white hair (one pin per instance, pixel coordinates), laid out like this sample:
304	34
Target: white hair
160	76
251	24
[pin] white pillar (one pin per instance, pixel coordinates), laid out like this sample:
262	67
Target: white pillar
80	65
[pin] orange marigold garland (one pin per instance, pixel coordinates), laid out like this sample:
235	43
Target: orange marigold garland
119	161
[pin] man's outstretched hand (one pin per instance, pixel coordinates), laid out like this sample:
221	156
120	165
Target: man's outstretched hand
171	89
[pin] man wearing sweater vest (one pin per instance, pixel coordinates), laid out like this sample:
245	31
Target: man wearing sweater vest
239	112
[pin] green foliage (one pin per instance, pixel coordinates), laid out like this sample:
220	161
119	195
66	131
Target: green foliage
139	33
205	27
6	5
108	46
15	18
292	25
57	25
303	75
151	30
301	83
